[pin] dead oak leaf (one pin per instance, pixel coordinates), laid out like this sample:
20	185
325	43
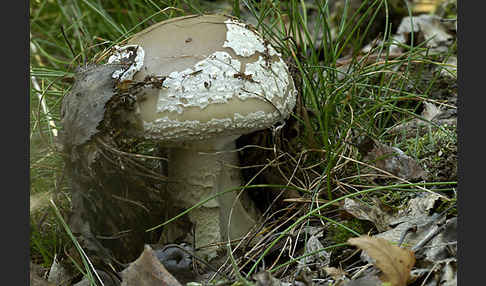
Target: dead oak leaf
393	261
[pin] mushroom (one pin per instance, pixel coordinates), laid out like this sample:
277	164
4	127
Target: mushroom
218	79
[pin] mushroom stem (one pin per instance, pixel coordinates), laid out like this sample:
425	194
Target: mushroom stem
203	170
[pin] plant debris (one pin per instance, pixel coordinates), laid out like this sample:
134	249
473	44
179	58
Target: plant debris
368	280
147	271
35	276
394	262
118	186
425	28
108	280
264	278
58	274
431	236
433	117
319	258
377	212
83	108
394	161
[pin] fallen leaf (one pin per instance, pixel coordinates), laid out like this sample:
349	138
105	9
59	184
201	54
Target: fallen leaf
430	111
108	280
377	212
58	274
422	204
264	278
369	280
147	271
449	273
395	161
426	28
35	278
429	30
321	257
431	114
318	232
444	244
417	221
394	262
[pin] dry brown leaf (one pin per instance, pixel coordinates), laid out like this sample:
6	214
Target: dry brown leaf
393	261
395	161
147	271
377	212
433	116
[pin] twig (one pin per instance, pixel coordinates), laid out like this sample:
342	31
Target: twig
51	123
437	228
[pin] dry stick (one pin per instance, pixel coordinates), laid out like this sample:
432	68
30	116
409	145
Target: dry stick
289	238
431	271
262	240
51	124
292	254
278	258
304	200
437	228
363	269
297	167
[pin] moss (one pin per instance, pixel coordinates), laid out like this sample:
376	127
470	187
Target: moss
449	207
437	152
338	234
448	9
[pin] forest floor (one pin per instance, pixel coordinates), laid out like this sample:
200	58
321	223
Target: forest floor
370	150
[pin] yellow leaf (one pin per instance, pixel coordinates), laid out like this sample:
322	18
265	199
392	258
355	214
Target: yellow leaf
393	261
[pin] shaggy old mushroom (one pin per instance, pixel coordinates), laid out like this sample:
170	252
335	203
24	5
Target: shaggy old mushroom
217	80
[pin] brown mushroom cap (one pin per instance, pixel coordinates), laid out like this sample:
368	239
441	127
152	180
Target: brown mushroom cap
220	78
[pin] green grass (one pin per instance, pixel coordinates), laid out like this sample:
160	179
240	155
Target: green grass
365	99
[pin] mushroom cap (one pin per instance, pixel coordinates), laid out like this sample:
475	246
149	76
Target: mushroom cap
219	79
